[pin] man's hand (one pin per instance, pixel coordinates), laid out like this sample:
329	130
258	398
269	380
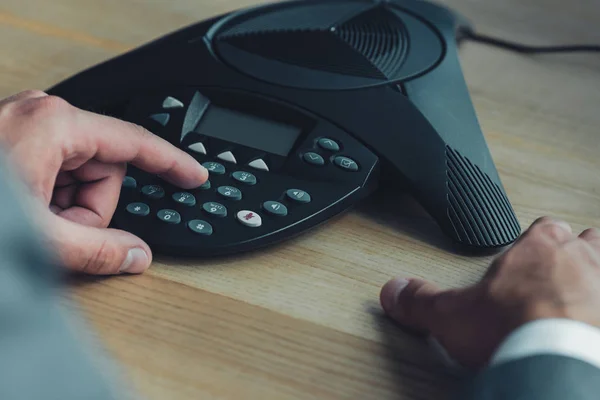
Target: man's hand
548	273
74	162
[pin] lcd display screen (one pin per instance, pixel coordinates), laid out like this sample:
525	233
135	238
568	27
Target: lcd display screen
248	130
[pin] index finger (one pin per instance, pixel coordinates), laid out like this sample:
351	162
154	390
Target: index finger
114	141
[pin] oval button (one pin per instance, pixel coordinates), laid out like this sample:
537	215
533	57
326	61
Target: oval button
346	163
249	218
200	227
229	192
214	167
216	209
314	159
298	195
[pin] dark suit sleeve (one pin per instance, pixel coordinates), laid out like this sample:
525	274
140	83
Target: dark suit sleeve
541	377
44	353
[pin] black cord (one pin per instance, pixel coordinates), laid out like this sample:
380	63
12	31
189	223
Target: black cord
526	49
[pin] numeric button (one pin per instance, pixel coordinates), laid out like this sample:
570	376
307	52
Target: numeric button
153	191
299	196
200	227
215	209
139	209
244	177
229	192
169	216
187	199
205	186
275	208
214	167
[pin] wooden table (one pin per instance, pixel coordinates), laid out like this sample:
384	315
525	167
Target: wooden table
302	320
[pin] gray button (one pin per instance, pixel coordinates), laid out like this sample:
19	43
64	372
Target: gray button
200	227
153	191
187	199
215	209
171	102
205	186
298	195
169	216
328	144
162	118
140	209
227	156
346	163
259	164
275	208
198	148
229	192
129	182
214	167
244	177
249	218
314	158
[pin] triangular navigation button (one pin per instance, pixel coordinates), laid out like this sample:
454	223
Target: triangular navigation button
162	118
259	164
227	156
198	148
171	102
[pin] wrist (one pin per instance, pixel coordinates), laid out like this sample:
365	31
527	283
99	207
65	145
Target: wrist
550	336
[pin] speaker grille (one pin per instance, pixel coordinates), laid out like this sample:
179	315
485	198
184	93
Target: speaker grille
313	49
477	207
316	16
379	36
362	42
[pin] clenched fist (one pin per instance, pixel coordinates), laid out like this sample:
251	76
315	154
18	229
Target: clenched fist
73	162
548	273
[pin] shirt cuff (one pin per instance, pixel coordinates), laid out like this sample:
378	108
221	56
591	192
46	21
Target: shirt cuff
562	337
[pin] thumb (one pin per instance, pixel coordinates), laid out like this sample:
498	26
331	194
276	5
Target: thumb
412	303
98	251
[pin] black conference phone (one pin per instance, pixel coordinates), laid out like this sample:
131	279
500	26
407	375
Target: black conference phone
296	109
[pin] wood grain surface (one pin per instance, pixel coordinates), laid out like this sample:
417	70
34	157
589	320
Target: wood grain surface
301	320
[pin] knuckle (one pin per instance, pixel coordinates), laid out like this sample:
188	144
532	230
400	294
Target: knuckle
42	107
102	260
553	231
51	103
31	93
549	229
139	130
542	220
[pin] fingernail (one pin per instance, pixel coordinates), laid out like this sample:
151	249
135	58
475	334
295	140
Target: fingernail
390	292
136	262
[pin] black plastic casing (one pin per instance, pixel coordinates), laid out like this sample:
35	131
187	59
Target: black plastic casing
414	112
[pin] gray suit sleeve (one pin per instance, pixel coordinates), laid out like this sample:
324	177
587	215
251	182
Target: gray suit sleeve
541	377
43	350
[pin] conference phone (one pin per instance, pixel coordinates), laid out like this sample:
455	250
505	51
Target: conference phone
297	109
